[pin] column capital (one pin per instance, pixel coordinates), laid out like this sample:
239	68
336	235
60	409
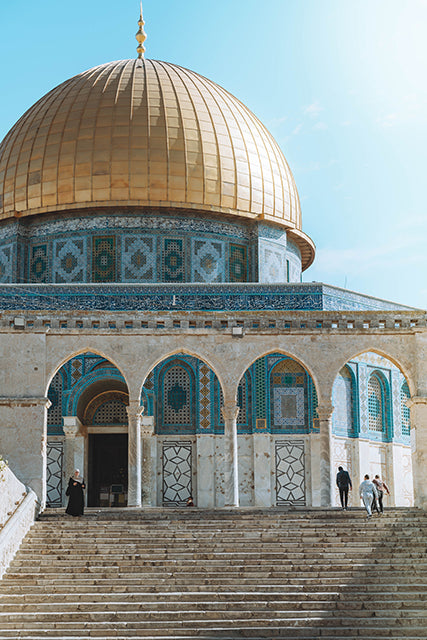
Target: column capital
134	409
72	426
230	411
325	410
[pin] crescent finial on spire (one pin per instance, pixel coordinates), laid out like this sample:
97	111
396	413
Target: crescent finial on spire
141	36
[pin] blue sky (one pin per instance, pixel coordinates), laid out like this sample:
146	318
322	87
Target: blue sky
341	84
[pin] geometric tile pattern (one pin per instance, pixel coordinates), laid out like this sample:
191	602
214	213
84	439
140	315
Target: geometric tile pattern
173	265
204	397
237	263
104	259
289	397
39	266
207	261
177	473
139	258
55	456
288	407
290	472
69	260
6	263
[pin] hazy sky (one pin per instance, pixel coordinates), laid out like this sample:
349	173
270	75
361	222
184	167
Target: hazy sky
341	84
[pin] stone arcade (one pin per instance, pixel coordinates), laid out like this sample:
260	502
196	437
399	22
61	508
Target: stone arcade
155	330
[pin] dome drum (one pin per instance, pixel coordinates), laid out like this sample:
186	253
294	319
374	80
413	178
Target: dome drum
145	246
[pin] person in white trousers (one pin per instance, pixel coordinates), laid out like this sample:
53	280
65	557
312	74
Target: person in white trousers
368	492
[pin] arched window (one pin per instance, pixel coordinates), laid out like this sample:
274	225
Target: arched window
175	399
376	404
404	410
343	418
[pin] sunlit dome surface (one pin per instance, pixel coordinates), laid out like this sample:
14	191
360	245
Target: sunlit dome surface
148	134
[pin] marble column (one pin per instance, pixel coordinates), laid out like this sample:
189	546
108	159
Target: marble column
148	461
74	446
324	412
134	454
231	473
418	408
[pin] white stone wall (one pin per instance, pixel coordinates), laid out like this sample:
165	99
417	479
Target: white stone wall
12	493
17	512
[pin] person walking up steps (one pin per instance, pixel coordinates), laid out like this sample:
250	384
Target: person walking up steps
368	493
344	485
381	488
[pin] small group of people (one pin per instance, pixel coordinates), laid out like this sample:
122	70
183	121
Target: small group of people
371	492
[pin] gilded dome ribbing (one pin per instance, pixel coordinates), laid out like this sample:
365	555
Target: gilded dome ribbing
149	134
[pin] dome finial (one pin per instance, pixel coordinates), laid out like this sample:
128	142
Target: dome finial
141	36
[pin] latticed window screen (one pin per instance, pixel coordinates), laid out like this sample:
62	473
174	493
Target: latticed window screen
177	396
54	413
375	404
405	413
111	412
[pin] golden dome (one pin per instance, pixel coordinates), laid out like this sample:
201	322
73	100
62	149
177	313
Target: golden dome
149	134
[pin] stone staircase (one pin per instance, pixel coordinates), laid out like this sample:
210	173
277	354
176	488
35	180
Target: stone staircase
190	573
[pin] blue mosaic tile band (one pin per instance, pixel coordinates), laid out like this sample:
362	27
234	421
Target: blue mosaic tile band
183	297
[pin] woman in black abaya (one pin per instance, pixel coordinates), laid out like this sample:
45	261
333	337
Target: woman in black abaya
75	488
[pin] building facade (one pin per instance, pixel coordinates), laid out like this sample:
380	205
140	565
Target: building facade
155	331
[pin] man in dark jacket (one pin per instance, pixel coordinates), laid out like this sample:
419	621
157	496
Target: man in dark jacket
343	484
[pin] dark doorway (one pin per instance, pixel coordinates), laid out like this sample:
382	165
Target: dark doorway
108	470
